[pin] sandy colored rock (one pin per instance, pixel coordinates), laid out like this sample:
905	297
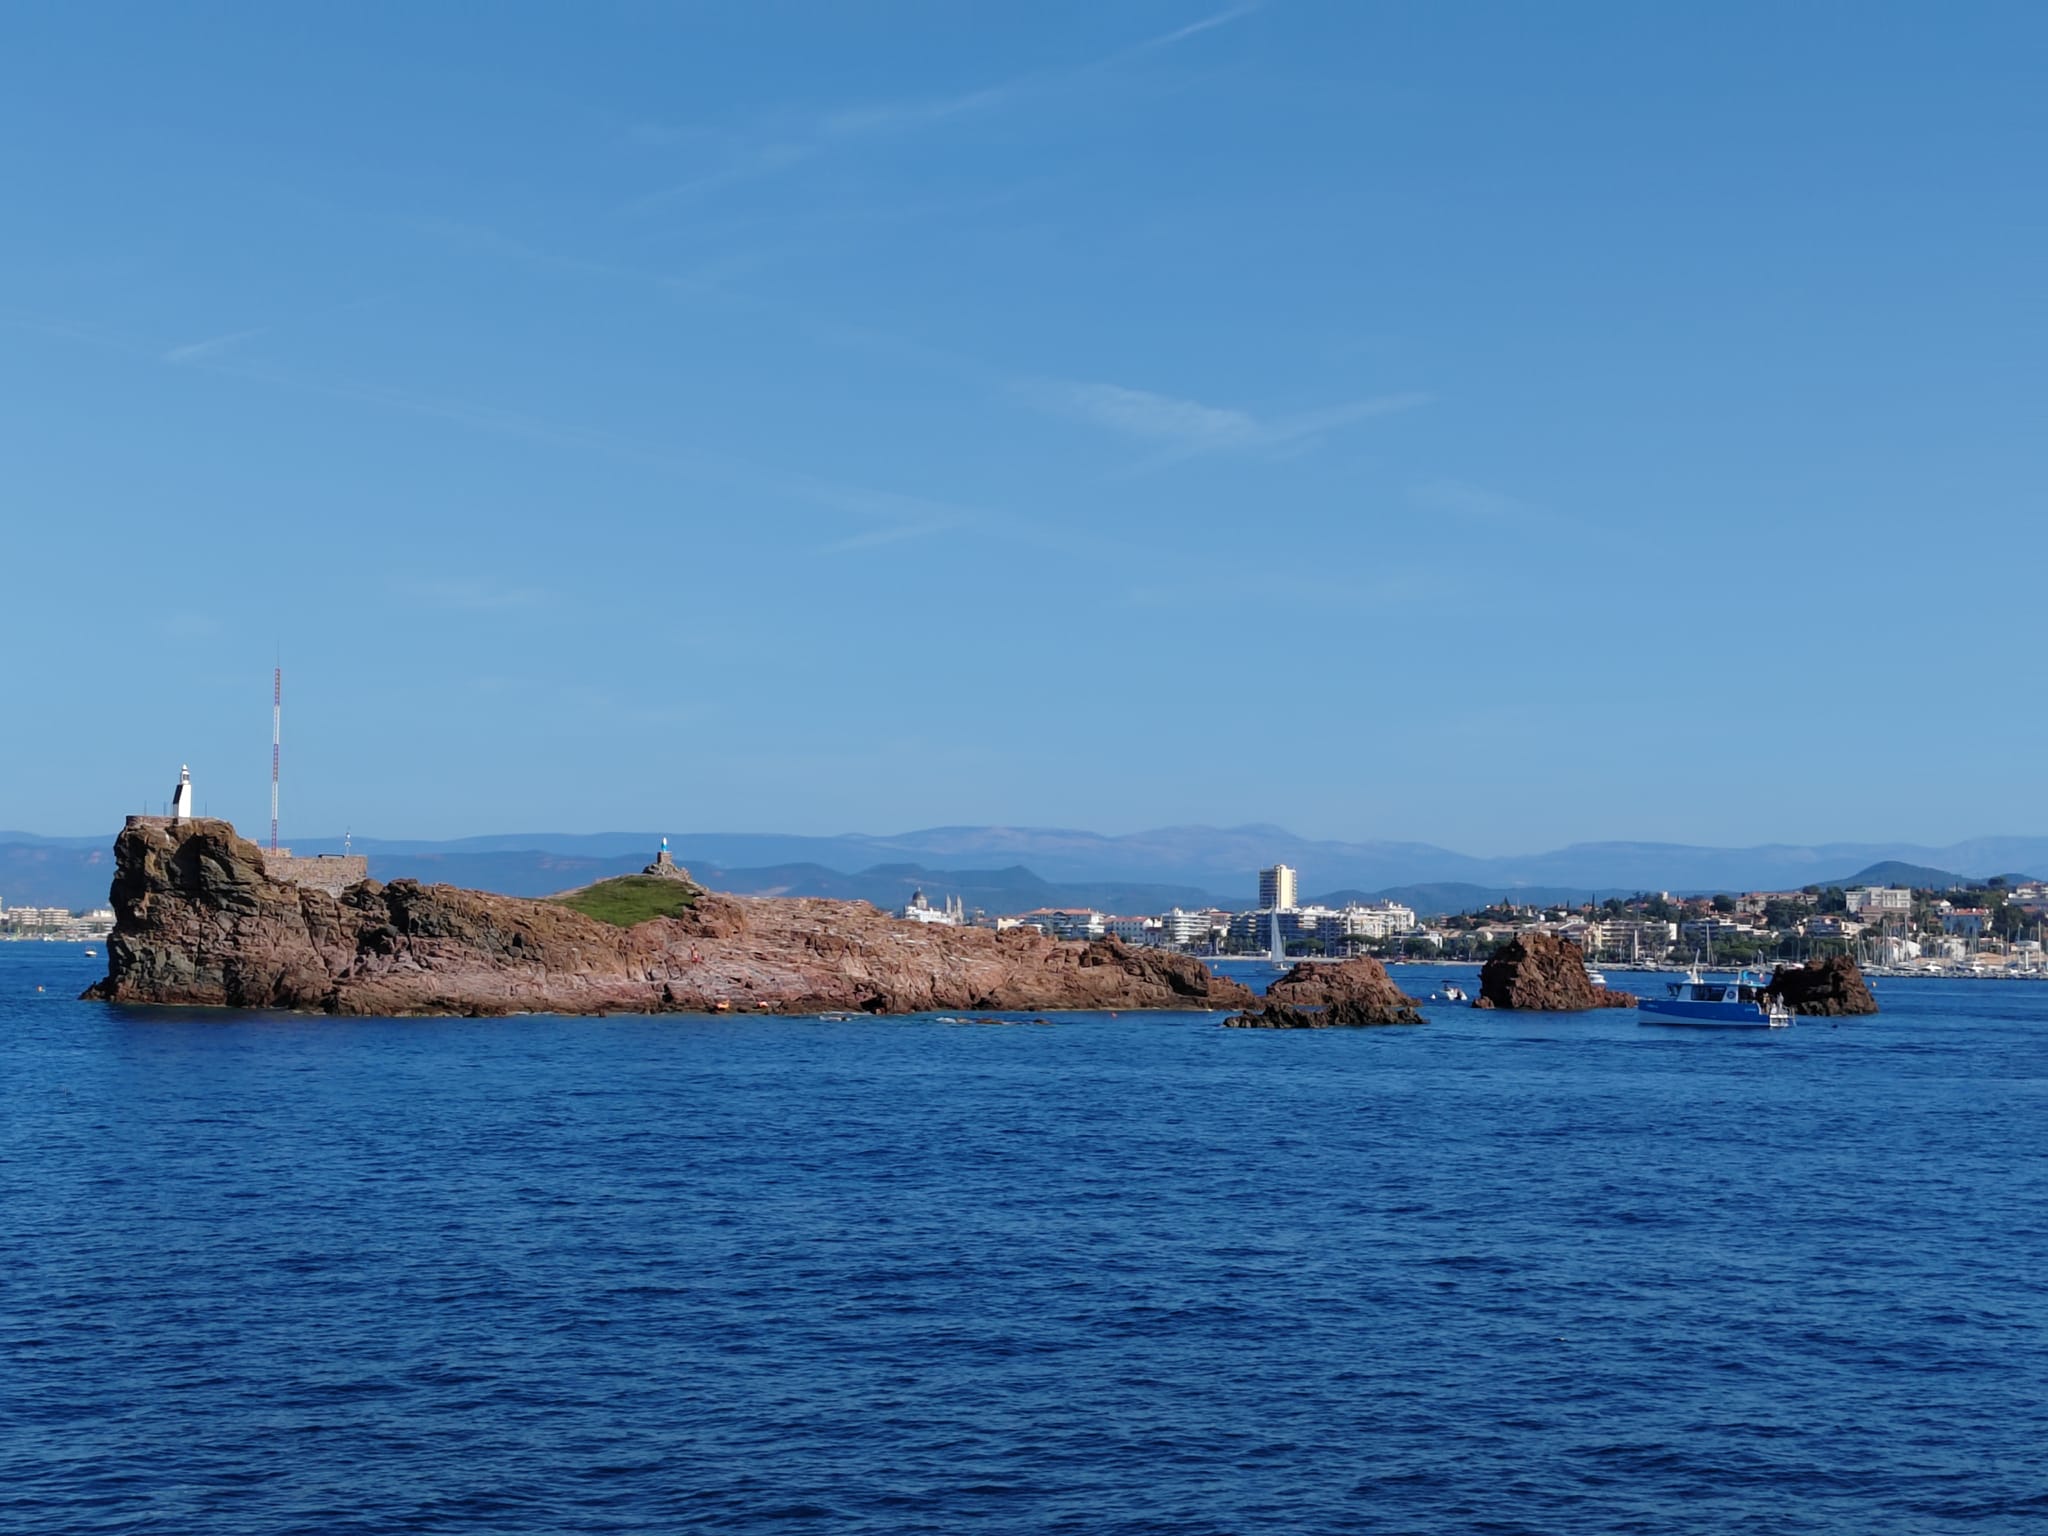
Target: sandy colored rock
1544	973
199	922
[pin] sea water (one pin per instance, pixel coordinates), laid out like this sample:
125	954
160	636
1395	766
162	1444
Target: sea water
1500	1272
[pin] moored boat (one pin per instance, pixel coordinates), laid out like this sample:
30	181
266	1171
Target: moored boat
1738	1004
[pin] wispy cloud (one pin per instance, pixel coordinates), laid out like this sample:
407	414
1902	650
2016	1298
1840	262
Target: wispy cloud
751	161
875	538
1470	503
1185	428
213	346
1222	18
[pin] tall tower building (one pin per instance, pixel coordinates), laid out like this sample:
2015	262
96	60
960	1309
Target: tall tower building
1276	889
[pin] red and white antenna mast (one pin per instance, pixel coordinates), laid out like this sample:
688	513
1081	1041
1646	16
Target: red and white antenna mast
276	737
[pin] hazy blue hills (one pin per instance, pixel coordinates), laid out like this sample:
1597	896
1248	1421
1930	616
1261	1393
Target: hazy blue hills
1223	861
1011	868
1897	872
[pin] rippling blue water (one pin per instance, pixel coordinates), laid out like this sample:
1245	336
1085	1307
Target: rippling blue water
1502	1273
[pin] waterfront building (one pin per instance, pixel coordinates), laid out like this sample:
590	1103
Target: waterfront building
1966	922
1374	920
1879	900
1150	931
1277	889
1183	928
1067	922
57	923
1832	927
1630	938
952	915
1715	930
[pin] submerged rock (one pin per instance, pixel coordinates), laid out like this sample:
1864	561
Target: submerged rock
1356	992
199	921
1833	987
1544	973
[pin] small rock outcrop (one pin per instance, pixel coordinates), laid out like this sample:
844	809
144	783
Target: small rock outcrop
1357	992
1543	973
1830	988
199	921
665	867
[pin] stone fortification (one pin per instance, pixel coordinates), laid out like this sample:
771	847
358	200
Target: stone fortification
201	920
329	872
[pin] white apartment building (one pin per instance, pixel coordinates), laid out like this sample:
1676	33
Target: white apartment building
1277	889
1135	930
1880	900
1374	920
1067	922
55	923
1179	927
1624	938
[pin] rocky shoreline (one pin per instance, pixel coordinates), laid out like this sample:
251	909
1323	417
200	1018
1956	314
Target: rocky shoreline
200	922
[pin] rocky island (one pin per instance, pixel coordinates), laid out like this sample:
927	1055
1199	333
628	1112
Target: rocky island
199	921
1355	992
1544	972
1830	987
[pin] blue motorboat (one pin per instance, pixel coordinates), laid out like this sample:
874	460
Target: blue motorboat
1739	1004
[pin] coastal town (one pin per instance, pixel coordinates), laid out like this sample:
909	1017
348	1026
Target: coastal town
1990	928
56	925
1995	928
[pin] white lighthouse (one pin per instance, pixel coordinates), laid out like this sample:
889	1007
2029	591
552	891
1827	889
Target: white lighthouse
181	797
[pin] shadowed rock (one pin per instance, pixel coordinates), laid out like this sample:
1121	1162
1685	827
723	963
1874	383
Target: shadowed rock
1357	992
1543	973
1831	987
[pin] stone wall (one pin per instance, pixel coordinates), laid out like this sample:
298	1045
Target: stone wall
329	872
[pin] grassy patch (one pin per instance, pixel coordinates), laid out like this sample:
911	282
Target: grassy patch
631	899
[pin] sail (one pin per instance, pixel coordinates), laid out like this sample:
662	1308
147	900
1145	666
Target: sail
1277	953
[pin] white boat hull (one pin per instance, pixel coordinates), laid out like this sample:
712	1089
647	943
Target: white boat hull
1709	1015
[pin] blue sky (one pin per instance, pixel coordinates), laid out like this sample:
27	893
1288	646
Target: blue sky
1490	425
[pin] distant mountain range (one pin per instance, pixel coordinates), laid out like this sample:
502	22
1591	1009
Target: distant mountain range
1013	868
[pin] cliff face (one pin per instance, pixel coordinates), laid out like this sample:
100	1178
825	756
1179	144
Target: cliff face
1544	972
1330	996
1830	987
198	921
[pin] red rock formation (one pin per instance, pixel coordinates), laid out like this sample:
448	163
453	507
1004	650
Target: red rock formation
198	921
1543	972
1831	987
1330	996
